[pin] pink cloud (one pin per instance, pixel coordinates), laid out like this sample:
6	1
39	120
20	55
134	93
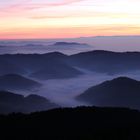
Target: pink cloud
53	4
64	2
46	17
27	5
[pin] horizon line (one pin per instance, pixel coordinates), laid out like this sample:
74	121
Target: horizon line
69	37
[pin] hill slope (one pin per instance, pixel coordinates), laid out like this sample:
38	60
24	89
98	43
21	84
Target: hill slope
10	102
98	61
56	70
106	61
122	92
17	82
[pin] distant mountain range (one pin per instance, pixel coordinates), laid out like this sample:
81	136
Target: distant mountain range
69	47
10	102
17	82
119	92
45	66
51	64
107	62
69	44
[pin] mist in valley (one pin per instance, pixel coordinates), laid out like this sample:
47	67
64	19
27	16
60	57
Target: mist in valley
64	91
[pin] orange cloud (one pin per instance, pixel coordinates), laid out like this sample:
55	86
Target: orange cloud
68	18
69	32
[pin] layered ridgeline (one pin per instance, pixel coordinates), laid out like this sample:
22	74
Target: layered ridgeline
119	92
57	65
41	66
11	102
17	82
107	62
36	46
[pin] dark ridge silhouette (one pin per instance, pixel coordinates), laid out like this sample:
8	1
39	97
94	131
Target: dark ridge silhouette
122	92
82	123
98	61
11	102
34	103
107	61
33	62
17	82
47	66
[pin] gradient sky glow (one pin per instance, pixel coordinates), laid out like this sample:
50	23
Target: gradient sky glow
68	18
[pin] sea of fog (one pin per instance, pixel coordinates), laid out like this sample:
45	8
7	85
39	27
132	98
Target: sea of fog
111	43
64	91
39	47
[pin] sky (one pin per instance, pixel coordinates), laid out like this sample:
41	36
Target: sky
20	19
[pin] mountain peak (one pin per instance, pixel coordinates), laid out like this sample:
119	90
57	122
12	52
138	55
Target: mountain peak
68	43
35	98
123	80
119	92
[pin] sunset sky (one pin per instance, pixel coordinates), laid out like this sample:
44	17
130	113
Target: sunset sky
68	18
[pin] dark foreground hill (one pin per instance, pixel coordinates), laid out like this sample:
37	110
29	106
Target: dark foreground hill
10	102
83	123
122	92
17	82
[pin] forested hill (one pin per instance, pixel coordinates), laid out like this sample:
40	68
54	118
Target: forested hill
82	123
